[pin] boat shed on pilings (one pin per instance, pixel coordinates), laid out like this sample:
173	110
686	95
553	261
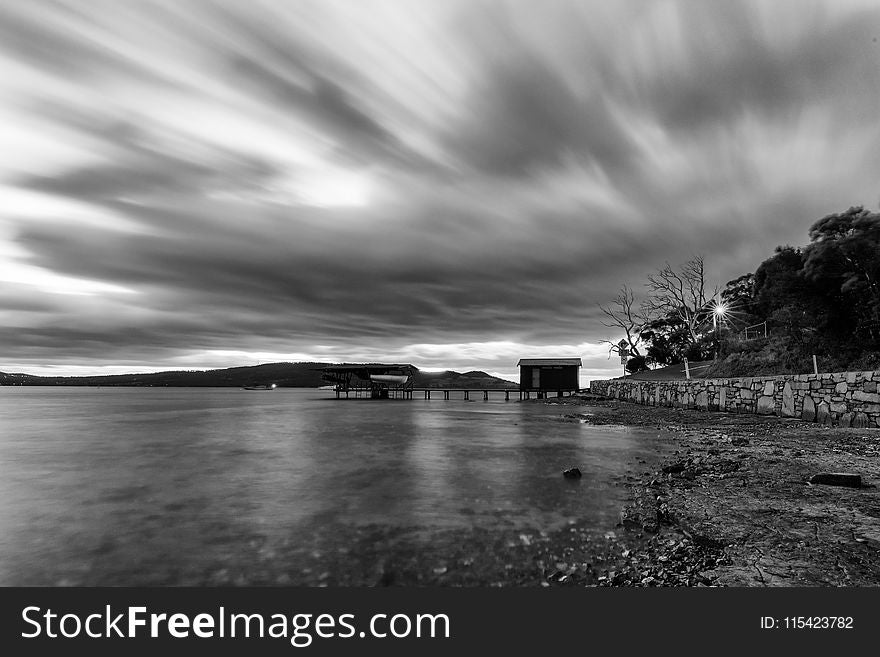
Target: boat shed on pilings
549	375
372	380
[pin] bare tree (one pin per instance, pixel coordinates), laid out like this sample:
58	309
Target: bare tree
681	294
624	315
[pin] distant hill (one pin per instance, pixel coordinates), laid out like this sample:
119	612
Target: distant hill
450	379
284	375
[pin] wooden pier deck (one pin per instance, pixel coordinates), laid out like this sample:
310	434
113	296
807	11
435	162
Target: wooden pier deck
451	393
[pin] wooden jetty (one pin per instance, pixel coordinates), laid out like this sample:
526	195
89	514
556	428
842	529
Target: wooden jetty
466	392
395	381
446	393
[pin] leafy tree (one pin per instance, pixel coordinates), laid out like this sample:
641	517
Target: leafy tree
636	364
843	261
702	349
847	244
667	339
738	297
781	286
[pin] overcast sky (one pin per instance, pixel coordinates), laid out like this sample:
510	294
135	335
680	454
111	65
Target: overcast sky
186	185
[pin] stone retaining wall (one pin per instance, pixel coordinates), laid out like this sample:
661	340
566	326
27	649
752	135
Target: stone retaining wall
848	399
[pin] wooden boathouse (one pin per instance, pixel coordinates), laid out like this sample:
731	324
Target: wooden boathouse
544	376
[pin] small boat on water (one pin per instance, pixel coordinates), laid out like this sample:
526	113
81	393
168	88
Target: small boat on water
267	386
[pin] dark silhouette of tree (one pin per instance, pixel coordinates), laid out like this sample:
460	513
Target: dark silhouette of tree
843	261
848	245
667	340
682	294
737	296
622	314
637	364
784	297
779	280
822	299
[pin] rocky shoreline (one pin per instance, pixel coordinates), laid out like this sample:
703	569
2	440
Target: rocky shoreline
734	505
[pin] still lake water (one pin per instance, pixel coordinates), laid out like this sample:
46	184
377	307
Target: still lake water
193	486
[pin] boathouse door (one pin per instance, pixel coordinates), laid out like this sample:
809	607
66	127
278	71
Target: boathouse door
536	378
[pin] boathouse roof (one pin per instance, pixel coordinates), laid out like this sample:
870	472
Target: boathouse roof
532	362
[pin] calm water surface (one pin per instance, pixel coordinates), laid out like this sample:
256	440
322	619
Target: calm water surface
193	485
